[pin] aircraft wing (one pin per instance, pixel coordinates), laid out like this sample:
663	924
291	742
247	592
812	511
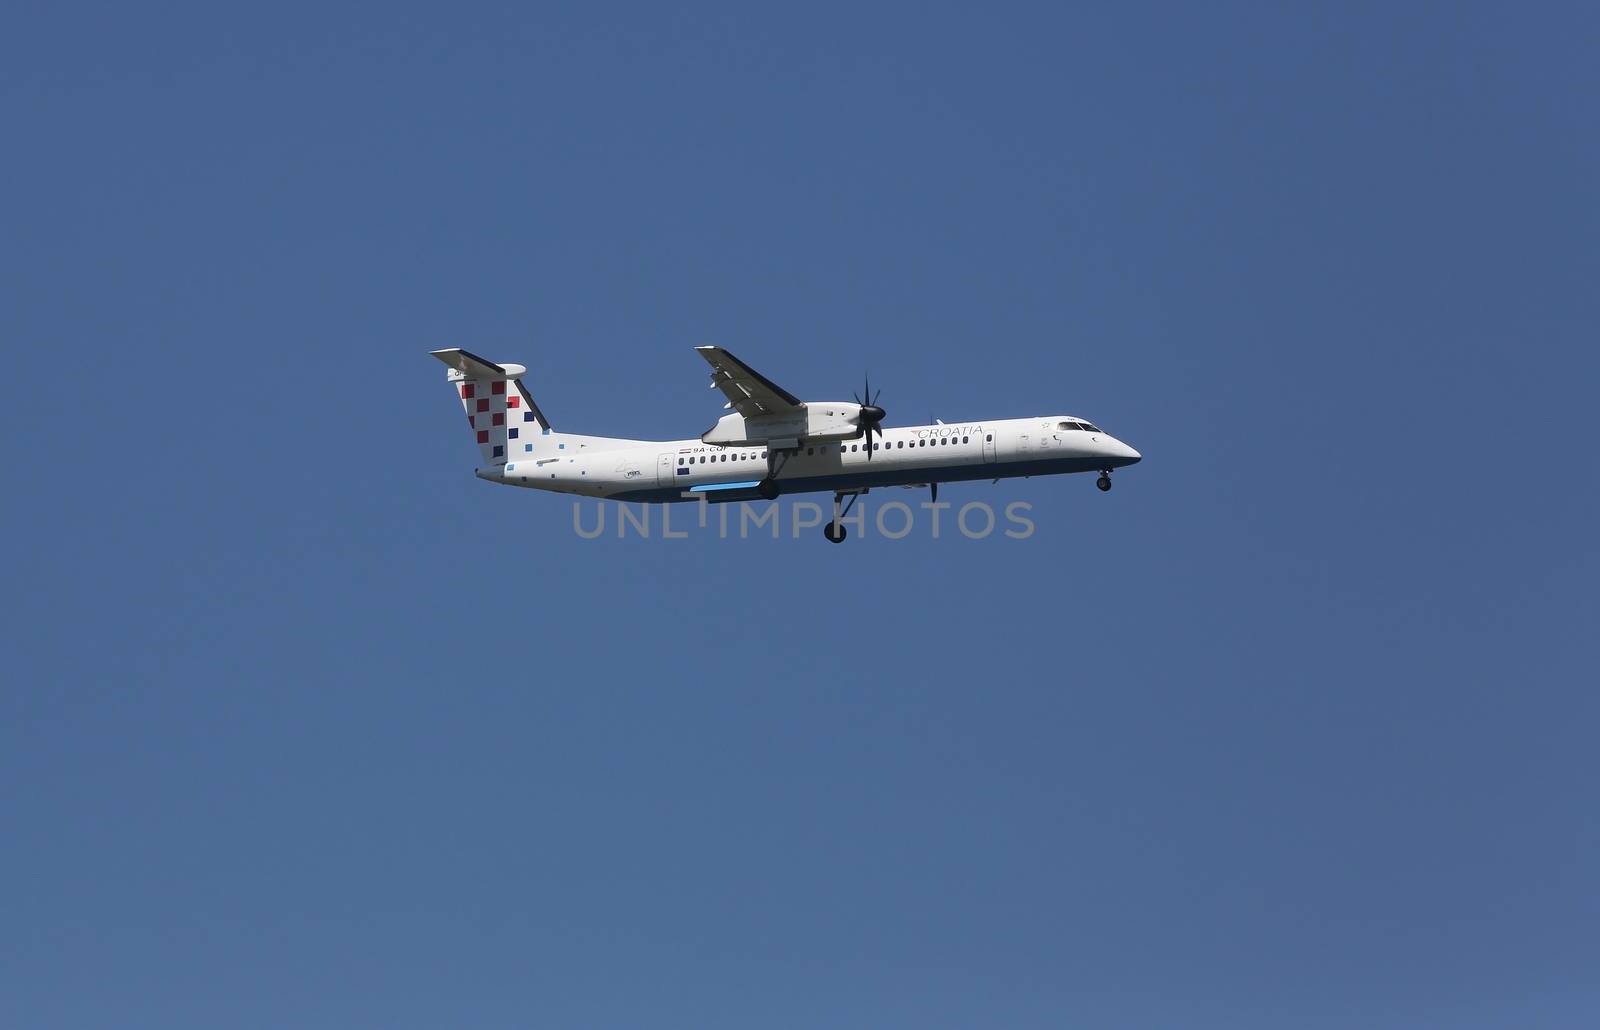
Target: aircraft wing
749	392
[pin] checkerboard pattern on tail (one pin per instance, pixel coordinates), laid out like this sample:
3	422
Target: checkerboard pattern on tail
501	414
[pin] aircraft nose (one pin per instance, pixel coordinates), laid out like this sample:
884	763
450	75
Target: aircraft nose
1127	455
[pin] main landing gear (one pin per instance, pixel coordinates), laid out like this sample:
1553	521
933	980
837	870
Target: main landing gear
777	458
1104	482
835	531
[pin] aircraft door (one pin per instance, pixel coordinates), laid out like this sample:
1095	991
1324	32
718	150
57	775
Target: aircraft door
991	450
665	471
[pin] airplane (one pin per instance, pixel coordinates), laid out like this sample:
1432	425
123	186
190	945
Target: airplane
771	444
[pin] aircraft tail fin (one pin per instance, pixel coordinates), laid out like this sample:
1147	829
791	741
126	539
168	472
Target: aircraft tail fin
504	419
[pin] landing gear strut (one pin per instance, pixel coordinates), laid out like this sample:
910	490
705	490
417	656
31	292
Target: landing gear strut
777	458
1104	482
835	531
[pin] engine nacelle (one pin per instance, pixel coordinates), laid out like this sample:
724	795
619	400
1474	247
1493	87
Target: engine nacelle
815	421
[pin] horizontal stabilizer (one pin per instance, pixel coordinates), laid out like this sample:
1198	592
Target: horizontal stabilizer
473	367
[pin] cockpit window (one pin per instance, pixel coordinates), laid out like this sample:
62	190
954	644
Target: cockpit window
1088	427
1070	425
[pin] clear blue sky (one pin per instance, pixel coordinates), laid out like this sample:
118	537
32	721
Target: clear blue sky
302	725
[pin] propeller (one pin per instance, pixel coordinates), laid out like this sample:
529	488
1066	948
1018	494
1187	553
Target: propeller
872	416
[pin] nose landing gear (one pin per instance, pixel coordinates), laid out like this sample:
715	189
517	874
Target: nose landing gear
834	529
1104	482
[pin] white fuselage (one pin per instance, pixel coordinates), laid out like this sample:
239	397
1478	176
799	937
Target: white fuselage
692	470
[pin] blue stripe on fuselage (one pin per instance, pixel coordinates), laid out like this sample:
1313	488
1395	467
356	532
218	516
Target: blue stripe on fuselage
706	487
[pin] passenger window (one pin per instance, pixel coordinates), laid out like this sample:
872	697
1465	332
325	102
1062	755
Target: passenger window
680	461
966	439
989	438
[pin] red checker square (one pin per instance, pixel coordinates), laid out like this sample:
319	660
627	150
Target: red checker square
483	436
513	400
483	404
498	386
466	392
499	419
